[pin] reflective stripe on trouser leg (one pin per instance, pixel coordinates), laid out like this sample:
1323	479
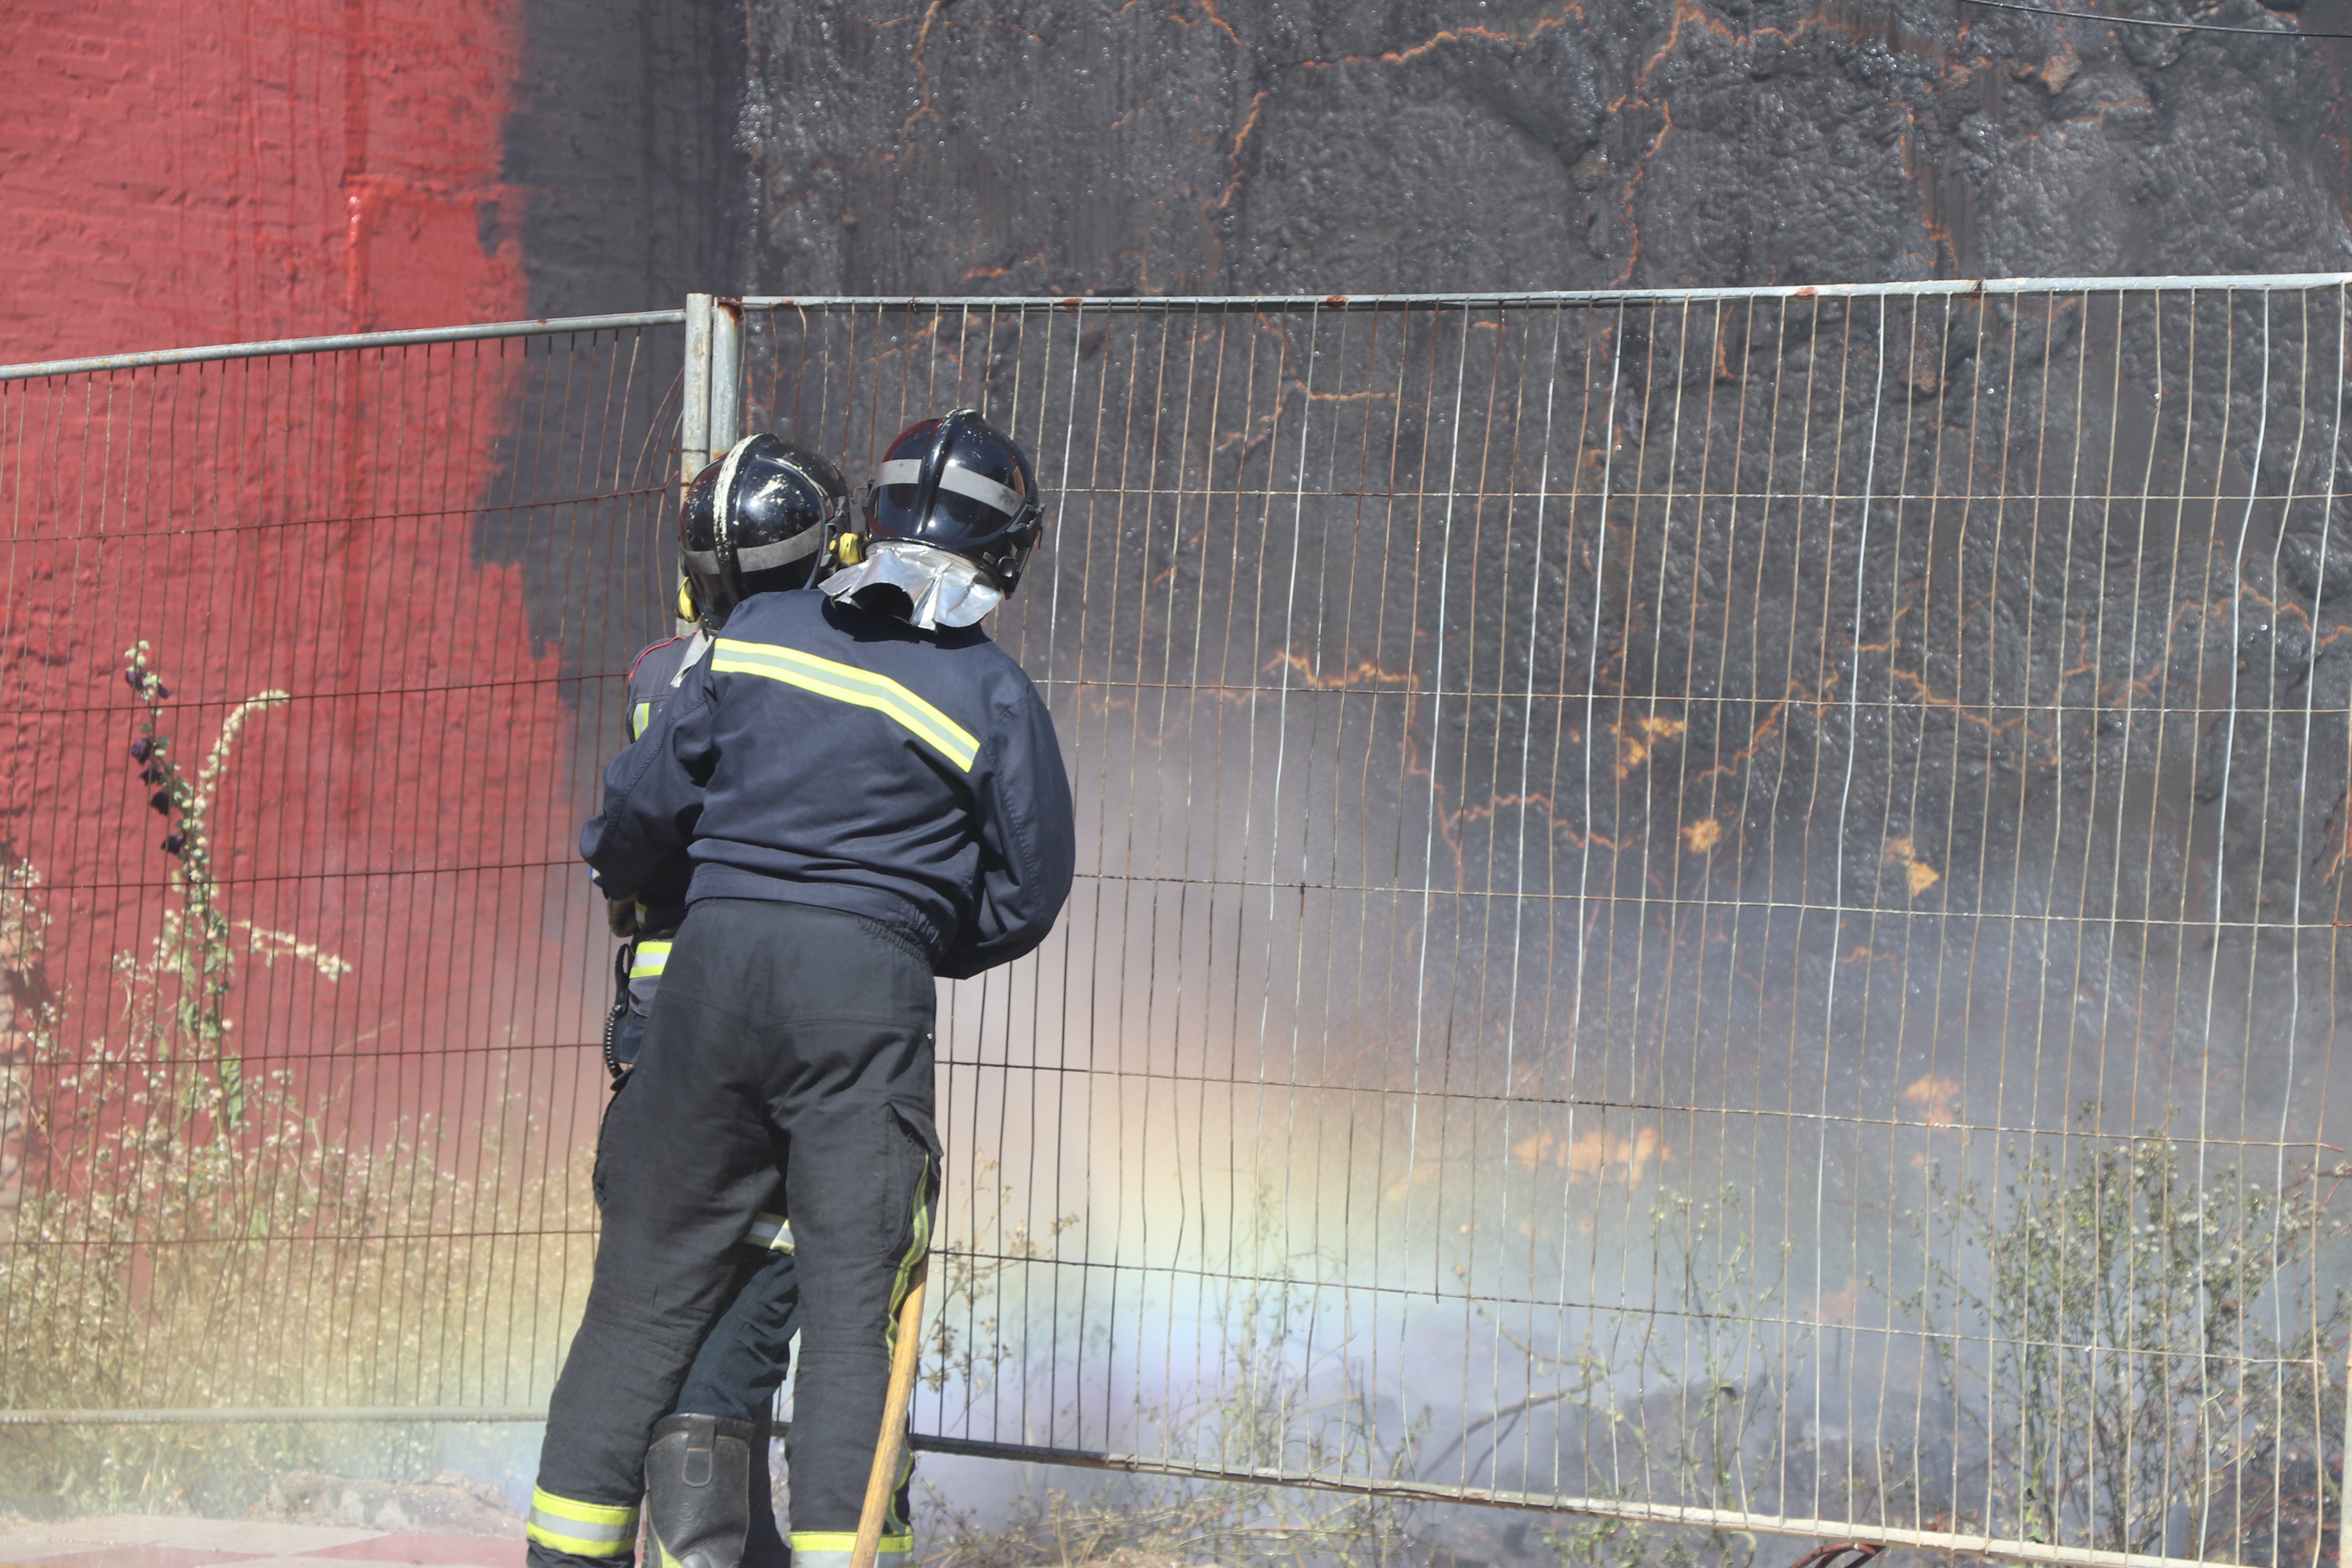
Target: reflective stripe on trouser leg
582	1529
769	1233
896	1525
832	1549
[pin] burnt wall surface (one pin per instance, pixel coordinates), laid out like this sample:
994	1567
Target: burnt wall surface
1250	145
623	146
1234	147
1088	146
622	139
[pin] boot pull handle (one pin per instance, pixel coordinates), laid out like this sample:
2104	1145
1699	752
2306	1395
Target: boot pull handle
702	1438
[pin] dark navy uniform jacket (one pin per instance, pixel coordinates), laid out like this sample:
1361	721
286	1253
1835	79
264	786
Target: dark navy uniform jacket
654	679
822	756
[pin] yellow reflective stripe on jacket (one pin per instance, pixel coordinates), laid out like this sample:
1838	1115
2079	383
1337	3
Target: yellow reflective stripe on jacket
769	1232
832	1549
649	961
639	717
584	1528
848	683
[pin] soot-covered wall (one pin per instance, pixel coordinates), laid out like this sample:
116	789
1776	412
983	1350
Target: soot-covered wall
1211	146
1315	145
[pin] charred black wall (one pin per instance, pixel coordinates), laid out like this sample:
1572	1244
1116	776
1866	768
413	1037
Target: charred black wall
625	141
1252	145
625	144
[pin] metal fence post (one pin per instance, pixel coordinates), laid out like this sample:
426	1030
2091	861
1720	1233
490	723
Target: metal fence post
694	423
726	373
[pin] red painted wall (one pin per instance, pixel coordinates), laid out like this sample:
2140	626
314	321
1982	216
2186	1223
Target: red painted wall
180	173
177	174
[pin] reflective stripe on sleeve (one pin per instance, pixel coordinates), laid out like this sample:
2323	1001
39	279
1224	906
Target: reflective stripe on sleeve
859	687
769	1232
582	1529
832	1548
639	717
649	961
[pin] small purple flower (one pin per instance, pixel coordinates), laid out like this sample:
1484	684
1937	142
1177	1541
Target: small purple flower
162	800
131	678
174	843
162	692
154	773
141	748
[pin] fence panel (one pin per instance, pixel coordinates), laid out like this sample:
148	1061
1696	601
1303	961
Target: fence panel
1718	909
299	973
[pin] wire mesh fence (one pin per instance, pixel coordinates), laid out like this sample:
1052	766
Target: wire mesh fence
297	971
1717	903
1717	908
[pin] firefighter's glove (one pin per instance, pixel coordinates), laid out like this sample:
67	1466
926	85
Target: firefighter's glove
620	914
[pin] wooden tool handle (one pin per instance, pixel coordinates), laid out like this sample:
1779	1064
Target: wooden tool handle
904	1358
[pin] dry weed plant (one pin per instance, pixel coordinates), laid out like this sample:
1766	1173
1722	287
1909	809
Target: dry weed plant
967	1345
181	1231
1272	1394
2132	1369
1673	1405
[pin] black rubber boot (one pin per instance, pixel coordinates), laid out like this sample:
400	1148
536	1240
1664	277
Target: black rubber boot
699	1491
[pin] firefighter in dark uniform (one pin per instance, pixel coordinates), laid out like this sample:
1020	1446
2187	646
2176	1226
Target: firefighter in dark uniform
872	795
781	506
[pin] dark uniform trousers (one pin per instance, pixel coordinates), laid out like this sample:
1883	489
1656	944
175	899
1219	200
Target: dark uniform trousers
786	1039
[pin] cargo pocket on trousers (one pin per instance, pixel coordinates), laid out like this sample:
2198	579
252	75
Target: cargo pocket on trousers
596	1169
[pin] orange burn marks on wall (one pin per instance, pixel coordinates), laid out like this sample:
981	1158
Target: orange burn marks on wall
1462	35
1636	741
1936	1099
1241	138
923	110
1596	1154
1364	675
1918	875
1209	10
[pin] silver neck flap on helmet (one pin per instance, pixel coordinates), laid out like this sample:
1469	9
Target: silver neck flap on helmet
945	590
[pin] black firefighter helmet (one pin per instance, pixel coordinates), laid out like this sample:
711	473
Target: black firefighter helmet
961	485
755	521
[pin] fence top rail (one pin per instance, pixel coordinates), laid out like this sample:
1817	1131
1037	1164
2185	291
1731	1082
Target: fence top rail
1594	298
547	327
